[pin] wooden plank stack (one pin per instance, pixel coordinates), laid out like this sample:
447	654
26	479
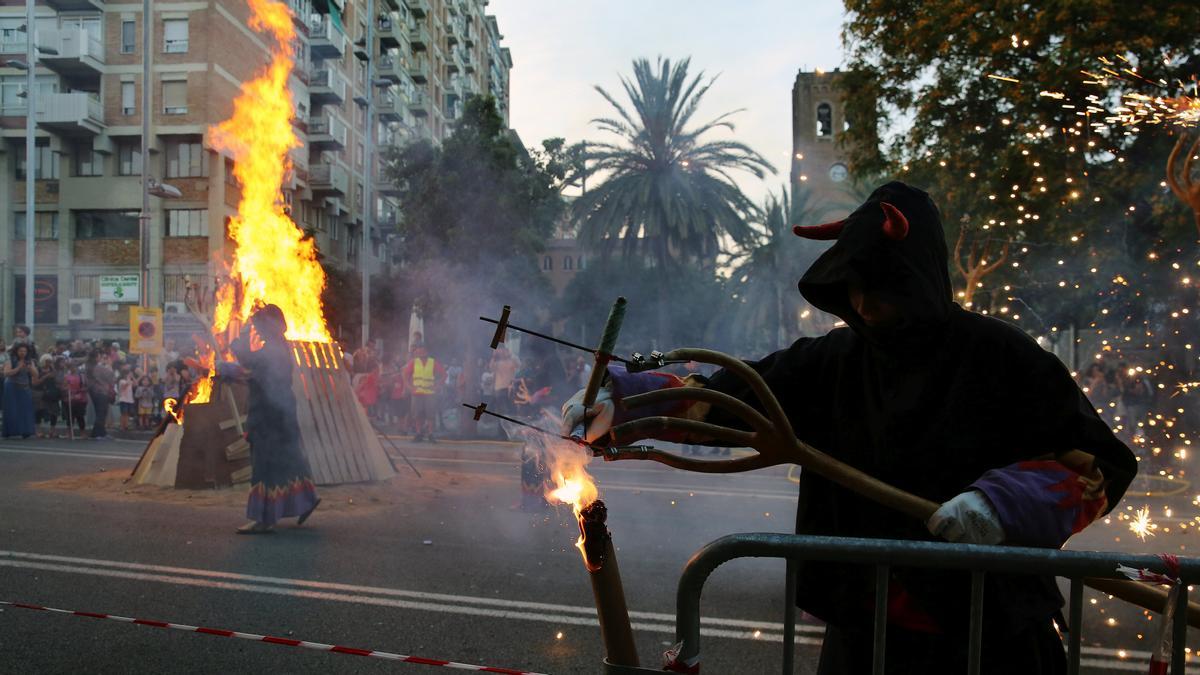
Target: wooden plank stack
209	449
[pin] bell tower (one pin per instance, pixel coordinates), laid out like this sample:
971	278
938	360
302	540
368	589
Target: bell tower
819	165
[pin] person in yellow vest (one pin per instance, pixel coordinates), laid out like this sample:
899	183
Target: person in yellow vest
423	374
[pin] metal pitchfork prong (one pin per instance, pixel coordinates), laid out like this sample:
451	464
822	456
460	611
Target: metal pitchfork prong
771	437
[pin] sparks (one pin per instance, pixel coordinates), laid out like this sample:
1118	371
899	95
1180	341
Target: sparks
1141	524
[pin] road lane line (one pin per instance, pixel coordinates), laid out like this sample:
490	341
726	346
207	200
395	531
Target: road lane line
65	453
372	590
755	635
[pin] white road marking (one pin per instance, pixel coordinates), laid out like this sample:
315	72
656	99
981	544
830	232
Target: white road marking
558	619
67	453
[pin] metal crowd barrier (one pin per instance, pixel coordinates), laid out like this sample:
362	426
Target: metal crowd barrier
1075	566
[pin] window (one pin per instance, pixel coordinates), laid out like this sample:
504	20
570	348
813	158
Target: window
106	224
187	223
45	225
11	101
129	157
12	36
128	36
358	155
128	98
335	228
230	176
186	158
175	36
824	120
548	264
87	162
45	165
174	94
568	262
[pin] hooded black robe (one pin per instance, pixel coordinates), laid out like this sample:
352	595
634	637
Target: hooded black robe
927	406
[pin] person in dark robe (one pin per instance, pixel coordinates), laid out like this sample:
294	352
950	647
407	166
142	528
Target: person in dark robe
281	484
950	405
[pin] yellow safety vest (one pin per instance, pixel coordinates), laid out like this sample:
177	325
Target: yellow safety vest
423	376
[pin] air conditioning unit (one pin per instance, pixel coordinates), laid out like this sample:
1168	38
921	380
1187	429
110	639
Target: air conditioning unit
81	309
175	308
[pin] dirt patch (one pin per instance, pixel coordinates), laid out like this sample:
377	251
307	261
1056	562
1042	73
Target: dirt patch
404	492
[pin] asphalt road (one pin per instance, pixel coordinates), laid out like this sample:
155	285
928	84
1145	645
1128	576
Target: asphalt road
470	580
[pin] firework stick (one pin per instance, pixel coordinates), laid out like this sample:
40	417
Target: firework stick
608	342
600	558
779	445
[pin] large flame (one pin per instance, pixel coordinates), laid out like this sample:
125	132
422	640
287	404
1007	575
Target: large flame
273	263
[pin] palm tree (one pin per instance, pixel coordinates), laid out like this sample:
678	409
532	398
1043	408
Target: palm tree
667	193
770	313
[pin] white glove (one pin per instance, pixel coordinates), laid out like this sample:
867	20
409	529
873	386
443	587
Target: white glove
599	416
967	519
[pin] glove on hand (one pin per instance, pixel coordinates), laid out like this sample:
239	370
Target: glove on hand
599	417
967	519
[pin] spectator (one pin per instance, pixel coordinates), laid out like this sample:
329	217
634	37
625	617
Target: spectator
398	393
118	356
125	397
504	367
423	373
171	383
18	392
366	387
77	398
47	396
101	390
144	395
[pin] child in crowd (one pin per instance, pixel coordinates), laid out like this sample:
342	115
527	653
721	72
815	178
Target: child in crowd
145	401
125	397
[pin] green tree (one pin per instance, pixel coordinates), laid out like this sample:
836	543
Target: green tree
668	193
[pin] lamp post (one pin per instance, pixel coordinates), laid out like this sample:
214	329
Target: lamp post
369	163
144	216
30	151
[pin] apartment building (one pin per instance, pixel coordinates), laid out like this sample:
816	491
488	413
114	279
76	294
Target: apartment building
426	57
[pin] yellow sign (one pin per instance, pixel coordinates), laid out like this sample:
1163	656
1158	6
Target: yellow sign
145	330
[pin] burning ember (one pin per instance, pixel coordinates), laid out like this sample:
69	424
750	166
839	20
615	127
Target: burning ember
273	262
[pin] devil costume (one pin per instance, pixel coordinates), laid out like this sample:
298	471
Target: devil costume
281	483
944	402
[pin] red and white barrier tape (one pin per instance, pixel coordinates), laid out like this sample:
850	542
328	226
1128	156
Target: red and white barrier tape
287	642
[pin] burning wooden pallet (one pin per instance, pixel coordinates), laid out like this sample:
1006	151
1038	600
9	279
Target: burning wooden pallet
206	447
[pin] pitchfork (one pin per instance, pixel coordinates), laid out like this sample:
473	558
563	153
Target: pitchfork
775	443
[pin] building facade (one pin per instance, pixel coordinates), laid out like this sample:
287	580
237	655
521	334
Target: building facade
426	56
819	164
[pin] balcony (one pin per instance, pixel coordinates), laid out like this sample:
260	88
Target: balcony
327	132
360	48
453	61
80	54
73	114
392	5
418	8
468	60
329	179
388	68
419	38
327	86
388	32
418	104
76	5
325	40
389	108
418	70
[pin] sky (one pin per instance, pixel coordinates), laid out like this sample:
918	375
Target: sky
562	48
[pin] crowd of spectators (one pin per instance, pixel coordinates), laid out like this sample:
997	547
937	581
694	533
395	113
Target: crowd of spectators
68	389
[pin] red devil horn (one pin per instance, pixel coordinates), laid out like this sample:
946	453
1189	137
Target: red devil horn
895	225
821	232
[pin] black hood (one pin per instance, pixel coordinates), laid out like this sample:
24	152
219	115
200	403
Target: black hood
911	273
